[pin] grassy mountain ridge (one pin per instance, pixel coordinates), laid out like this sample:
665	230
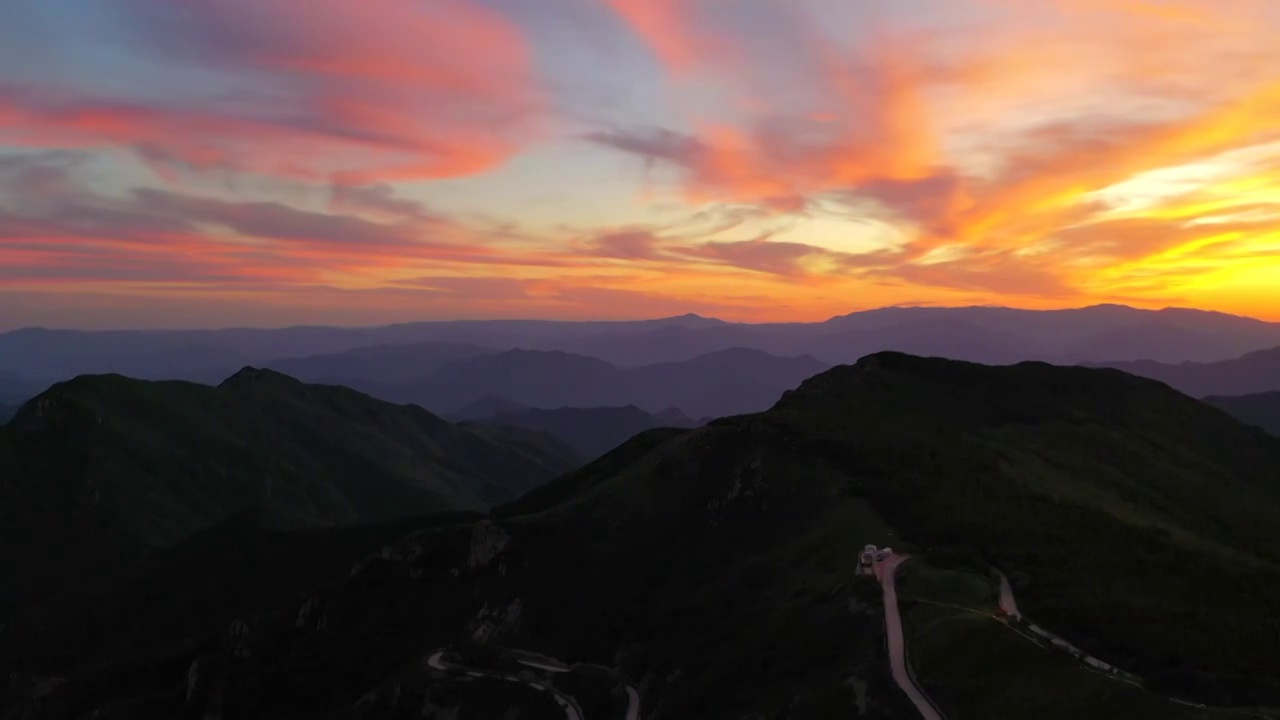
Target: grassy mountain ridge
110	462
1121	508
298	435
1114	497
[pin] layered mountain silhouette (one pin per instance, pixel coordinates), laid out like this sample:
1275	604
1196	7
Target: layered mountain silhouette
105	467
1262	409
714	566
381	363
14	390
485	407
590	431
1103	333
1255	372
727	382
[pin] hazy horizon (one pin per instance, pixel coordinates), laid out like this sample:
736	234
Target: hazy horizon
516	318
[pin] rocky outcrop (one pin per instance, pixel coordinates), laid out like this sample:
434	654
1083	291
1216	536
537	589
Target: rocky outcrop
55	412
197	682
252	636
487	542
311	615
490	623
206	688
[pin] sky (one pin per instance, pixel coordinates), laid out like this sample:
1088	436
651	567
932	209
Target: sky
206	163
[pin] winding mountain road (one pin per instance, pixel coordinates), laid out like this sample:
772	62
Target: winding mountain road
566	702
885	571
1008	603
633	703
570	706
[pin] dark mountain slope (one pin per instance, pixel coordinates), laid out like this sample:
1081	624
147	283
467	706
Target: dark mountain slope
1129	508
722	594
1123	509
168	457
715	565
589	431
105	461
1262	409
234	568
1255	372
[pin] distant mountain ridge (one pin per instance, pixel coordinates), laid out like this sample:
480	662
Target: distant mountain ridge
726	382
383	363
1262	409
1256	372
1102	333
592	432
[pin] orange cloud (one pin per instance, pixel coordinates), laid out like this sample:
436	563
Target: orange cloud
1035	155
989	147
856	119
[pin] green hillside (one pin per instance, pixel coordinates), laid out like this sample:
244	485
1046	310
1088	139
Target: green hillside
715	566
104	467
1137	522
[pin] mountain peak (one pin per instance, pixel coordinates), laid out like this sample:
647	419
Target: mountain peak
256	377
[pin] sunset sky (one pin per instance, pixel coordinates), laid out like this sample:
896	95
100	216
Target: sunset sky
265	162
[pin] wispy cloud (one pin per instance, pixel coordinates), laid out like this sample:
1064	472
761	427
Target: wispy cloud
808	151
407	90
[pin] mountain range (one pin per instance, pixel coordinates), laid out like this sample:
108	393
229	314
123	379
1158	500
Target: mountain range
1103	333
1262	409
1254	372
726	382
714	567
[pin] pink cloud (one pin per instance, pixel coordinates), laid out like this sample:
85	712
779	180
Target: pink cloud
411	90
